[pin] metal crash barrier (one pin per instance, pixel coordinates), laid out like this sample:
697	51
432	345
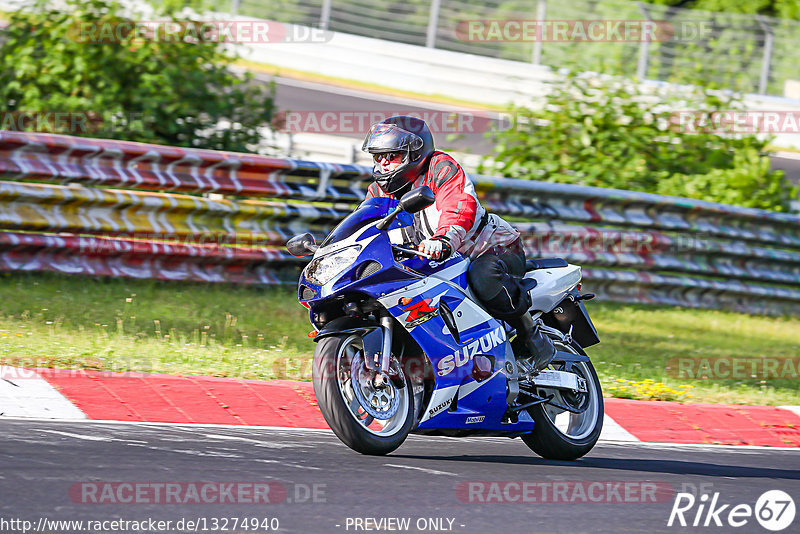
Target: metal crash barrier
115	208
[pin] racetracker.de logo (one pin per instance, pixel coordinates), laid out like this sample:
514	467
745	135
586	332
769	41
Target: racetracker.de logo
576	31
568	491
177	493
357	123
208	31
37	369
733	121
71	122
733	368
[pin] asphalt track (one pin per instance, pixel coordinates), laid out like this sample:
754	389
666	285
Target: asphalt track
424	479
299	96
295	95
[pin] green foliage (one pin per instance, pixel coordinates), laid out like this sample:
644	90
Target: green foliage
612	133
177	91
175	6
788	9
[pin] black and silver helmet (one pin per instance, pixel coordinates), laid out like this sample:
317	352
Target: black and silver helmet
408	135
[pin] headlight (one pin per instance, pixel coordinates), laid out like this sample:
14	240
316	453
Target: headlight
322	270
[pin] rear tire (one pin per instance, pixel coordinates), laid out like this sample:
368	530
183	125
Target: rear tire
550	441
339	404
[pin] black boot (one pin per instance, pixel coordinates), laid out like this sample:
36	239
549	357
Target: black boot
538	347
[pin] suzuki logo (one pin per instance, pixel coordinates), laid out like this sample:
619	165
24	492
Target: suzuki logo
436	409
465	354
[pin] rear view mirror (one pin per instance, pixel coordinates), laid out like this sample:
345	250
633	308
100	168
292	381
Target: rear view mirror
417	199
302	245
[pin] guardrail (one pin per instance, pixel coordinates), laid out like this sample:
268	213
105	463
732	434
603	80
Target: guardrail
115	208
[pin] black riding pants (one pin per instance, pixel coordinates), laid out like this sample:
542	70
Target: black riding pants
494	278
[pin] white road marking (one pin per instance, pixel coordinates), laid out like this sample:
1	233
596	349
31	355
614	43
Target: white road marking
431	471
77	436
288	464
207	453
256	442
214	454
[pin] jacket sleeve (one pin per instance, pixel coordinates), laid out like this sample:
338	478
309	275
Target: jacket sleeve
455	199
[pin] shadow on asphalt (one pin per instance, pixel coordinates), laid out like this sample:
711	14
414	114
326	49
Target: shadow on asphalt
674	467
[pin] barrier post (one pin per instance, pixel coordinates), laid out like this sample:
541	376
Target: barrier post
325	15
433	23
541	13
766	61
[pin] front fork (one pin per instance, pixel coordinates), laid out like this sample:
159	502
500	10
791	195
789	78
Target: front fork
386	351
380	363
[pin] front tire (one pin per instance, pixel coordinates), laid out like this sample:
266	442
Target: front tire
335	360
561	435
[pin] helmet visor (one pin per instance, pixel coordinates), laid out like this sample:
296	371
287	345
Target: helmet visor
390	138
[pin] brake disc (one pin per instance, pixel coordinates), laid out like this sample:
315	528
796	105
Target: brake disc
380	402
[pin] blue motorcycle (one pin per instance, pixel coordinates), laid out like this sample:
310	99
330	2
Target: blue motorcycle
404	346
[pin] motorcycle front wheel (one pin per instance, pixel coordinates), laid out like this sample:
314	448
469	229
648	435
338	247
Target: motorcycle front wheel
369	418
562	435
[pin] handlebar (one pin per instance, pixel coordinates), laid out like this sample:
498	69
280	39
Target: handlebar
411	252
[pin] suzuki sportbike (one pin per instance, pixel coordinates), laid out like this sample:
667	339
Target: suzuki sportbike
404	346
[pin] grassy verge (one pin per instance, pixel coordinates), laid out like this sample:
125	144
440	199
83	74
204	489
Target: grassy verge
128	325
143	325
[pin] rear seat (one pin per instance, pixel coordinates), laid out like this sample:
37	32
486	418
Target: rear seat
545	263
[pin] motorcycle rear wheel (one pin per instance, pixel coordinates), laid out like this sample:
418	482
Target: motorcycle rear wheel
561	435
341	408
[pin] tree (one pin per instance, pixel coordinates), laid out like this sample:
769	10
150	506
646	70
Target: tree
610	132
86	59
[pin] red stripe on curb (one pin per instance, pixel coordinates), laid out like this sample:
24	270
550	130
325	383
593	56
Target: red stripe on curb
726	424
210	400
188	399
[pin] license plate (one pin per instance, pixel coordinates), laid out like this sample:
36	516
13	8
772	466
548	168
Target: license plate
560	380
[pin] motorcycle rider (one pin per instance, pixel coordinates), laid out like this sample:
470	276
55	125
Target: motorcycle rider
404	157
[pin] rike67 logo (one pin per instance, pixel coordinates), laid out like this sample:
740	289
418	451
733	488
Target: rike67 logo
774	510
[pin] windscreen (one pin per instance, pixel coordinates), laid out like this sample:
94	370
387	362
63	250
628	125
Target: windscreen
369	211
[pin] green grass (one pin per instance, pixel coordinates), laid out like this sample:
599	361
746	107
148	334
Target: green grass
638	342
219	330
142	325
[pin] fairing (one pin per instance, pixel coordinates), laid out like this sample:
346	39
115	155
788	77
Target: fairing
414	291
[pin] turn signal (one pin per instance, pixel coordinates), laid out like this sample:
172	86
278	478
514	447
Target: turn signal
405	300
481	368
313	333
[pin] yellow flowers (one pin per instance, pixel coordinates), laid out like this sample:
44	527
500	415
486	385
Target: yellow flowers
647	390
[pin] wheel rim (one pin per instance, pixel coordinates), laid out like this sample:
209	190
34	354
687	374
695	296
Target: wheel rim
391	401
571	425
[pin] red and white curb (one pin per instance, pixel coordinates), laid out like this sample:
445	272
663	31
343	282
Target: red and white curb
613	431
158	398
23	393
